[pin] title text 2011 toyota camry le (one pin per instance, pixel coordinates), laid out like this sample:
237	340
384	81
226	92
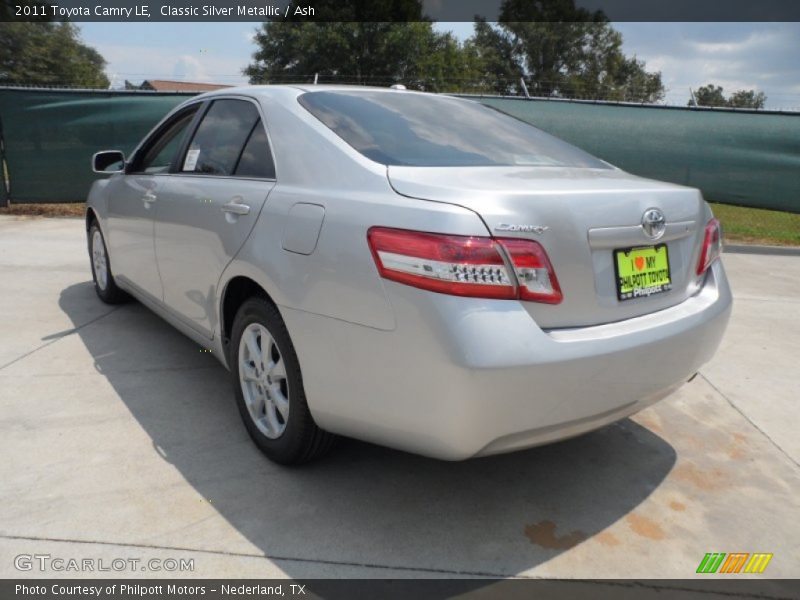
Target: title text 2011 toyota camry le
414	270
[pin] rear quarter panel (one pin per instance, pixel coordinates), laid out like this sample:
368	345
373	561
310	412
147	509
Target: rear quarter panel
339	278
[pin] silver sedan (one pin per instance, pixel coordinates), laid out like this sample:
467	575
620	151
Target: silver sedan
414	270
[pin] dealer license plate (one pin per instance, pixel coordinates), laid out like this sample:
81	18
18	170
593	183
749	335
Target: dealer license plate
642	271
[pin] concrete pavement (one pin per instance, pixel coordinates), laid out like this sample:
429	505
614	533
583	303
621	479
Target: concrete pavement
121	440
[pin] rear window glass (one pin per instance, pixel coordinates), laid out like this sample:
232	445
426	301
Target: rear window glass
405	128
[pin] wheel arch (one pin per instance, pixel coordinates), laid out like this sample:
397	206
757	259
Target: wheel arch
237	290
91	217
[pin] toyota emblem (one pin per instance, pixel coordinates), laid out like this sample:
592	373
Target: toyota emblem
654	223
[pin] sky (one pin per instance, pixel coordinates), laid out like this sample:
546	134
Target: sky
761	56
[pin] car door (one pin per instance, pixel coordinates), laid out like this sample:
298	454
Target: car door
133	203
216	192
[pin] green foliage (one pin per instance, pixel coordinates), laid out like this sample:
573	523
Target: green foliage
709	95
498	60
48	54
559	49
758	226
747	99
712	95
370	53
352	41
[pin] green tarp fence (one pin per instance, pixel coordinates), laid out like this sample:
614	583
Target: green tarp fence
746	158
50	135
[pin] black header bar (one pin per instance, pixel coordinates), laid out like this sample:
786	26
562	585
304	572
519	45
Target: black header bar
397	589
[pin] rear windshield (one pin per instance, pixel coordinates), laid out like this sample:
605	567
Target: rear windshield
405	128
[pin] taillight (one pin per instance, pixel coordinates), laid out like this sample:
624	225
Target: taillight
450	264
536	276
712	246
464	265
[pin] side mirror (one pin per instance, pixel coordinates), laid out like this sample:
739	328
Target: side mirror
108	161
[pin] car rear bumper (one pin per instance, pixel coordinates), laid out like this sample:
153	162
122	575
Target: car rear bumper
461	377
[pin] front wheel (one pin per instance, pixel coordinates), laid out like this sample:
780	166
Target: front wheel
269	387
104	283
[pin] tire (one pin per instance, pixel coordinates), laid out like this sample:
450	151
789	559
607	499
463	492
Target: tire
104	283
269	387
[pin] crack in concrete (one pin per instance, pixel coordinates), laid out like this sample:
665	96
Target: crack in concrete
53	341
121	371
775	300
749	420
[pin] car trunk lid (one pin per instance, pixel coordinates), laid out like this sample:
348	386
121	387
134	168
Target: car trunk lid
580	216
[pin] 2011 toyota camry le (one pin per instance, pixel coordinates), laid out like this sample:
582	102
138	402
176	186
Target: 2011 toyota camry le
414	270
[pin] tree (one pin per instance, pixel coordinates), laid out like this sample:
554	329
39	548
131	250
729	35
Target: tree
747	99
445	65
369	53
561	50
499	64
374	43
48	54
709	95
712	95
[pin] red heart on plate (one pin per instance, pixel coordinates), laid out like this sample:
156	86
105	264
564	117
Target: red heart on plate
639	260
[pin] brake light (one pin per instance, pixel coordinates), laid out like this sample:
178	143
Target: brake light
465	265
712	246
536	276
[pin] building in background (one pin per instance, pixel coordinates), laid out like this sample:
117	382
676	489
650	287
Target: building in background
165	85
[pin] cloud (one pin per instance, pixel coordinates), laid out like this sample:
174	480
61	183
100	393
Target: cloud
249	36
736	56
189	68
137	63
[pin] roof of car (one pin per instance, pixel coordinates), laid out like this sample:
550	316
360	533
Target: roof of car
303	87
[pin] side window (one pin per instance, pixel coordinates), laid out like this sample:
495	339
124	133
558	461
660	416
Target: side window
256	159
159	152
220	138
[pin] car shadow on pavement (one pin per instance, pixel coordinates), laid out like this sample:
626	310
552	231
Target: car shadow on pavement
362	506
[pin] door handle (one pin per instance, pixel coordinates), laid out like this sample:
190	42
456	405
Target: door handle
236	208
149	197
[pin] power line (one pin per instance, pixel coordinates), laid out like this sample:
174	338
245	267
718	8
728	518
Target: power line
486	86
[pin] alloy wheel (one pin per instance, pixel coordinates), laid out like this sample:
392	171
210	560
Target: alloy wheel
262	375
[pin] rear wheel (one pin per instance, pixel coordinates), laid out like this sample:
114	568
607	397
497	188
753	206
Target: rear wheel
104	283
269	387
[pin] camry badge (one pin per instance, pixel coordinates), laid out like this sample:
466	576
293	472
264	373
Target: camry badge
540	229
654	223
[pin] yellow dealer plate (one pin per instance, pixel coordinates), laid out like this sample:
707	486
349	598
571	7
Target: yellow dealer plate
642	271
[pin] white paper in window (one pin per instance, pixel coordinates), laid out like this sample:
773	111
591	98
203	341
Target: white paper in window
191	159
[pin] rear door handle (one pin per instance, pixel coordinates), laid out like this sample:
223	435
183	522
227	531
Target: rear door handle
149	197
236	208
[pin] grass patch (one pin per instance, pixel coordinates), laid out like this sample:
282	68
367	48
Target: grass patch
757	226
70	209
